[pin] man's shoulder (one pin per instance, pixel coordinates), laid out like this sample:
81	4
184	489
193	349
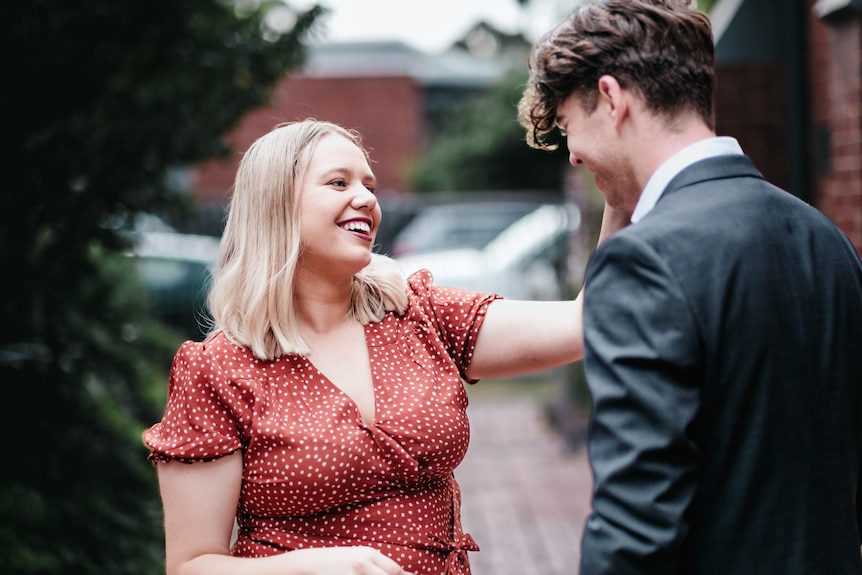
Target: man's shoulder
715	170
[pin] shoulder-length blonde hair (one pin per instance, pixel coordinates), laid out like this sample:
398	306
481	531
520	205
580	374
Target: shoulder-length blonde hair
252	295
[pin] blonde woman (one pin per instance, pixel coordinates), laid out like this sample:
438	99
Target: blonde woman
325	414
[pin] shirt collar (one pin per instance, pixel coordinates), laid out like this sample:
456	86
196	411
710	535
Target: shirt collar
700	150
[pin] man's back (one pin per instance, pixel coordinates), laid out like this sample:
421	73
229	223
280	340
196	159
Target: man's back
750	324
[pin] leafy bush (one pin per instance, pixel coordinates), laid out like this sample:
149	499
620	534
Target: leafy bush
103	99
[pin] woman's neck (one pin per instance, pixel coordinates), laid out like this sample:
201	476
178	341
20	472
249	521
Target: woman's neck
322	307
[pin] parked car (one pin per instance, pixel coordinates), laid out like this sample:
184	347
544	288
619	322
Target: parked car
522	256
174	270
398	212
460	224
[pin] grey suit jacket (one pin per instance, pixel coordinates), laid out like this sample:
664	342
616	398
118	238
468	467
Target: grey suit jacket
723	352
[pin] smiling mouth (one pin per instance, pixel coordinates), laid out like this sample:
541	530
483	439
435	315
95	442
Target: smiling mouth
357	227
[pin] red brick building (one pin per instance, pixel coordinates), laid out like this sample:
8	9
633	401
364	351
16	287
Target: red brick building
389	92
836	85
789	87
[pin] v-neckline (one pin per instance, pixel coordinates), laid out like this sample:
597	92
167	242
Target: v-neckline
338	390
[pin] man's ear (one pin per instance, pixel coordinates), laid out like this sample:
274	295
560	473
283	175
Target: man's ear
614	97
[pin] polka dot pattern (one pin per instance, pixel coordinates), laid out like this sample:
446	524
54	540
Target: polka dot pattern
314	474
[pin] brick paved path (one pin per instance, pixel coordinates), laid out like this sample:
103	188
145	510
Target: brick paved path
525	494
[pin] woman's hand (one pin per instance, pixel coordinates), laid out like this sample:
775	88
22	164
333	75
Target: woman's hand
613	220
342	561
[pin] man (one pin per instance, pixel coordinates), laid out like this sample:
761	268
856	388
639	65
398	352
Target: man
723	327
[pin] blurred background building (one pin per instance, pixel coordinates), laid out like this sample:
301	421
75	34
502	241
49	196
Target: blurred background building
788	88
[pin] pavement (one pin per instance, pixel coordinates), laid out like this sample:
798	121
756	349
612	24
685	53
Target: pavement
525	488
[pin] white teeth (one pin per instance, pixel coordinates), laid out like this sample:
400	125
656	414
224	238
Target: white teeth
362	227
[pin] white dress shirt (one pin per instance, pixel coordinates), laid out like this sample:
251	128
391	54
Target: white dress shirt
700	150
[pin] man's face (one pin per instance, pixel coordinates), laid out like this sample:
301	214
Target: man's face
594	141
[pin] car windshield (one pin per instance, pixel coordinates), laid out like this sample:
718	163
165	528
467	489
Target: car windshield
459	225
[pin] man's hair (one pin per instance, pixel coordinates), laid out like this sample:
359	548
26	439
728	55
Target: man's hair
662	49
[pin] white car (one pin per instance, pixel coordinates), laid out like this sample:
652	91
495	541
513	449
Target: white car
174	270
523	260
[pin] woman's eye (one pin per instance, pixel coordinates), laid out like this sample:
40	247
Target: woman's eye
339	183
371	189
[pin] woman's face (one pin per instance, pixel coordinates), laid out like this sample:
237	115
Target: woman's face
339	213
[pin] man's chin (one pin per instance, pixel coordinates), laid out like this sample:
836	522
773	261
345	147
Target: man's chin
600	185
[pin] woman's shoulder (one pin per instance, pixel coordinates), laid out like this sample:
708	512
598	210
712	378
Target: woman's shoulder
216	344
422	292
431	303
421	289
421	284
419	281
217	353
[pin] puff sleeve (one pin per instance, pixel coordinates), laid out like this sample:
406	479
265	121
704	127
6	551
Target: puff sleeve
205	409
456	315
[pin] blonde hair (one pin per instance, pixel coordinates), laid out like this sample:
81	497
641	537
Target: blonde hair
252	294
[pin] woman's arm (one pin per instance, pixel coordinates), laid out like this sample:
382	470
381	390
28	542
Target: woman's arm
199	501
519	337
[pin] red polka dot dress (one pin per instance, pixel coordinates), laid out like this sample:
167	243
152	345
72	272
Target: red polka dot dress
314	475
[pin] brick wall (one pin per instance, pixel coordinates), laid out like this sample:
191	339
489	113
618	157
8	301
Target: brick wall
387	112
750	105
836	113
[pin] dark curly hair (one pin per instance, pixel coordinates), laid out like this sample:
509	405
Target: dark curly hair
663	49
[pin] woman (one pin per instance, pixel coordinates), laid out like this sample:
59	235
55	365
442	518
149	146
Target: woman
326	413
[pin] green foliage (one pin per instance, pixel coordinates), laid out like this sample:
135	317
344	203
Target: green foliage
79	496
482	147
103	98
705	5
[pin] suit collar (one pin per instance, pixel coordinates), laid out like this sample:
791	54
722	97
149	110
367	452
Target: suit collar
670	168
715	168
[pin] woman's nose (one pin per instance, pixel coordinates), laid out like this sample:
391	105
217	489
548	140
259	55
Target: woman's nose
363	198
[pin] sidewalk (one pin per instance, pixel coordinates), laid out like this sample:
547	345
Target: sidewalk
525	493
